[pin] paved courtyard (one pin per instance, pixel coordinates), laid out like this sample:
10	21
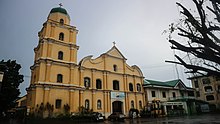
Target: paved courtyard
196	119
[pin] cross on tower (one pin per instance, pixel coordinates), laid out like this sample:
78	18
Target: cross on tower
114	43
61	4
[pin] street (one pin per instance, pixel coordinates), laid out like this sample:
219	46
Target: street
196	119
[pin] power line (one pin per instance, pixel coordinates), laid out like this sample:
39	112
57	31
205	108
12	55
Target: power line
27	76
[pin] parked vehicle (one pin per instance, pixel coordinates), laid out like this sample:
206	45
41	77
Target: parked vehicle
116	117
98	116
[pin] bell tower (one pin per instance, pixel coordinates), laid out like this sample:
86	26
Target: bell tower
57	47
55	62
57	31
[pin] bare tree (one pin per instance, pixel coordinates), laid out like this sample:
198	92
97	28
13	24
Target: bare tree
198	37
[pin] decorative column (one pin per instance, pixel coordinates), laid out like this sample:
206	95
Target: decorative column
104	80
81	98
43	48
49	48
124	66
71	77
128	102
32	76
136	101
106	83
46	95
81	83
46	100
105	102
48	69
108	102
93	80
125	80
72	55
52	30
71	36
71	100
93	100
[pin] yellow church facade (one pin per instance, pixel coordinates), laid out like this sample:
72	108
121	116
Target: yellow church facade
105	84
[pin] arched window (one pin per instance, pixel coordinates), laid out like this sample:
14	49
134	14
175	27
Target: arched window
98	84
99	104
61	36
131	87
115	68
140	105
87	82
59	78
132	104
61	21
60	55
138	87
115	85
210	97
87	104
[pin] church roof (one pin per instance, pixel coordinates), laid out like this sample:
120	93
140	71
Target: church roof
59	9
171	83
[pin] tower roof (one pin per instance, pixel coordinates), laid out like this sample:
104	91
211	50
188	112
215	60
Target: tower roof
58	9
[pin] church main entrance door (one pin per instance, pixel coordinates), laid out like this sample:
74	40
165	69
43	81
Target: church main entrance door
117	106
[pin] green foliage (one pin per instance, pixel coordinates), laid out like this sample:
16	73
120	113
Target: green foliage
145	112
40	109
49	108
9	91
84	111
66	109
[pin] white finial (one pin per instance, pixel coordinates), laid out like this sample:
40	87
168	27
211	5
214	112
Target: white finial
61	4
114	43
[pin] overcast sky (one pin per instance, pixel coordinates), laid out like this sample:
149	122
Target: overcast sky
135	25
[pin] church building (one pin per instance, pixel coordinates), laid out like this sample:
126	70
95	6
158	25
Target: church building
105	84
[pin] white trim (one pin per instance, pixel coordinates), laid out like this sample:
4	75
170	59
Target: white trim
56	60
58	84
155	86
46	88
72	90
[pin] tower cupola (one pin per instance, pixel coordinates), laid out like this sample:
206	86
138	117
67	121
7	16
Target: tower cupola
60	15
59	9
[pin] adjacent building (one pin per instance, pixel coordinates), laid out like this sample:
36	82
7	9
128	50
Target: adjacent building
169	96
105	84
207	89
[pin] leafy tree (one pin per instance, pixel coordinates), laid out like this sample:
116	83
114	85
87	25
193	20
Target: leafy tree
198	37
9	91
50	109
66	109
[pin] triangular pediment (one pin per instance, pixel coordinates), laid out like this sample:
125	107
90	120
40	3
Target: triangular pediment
114	52
180	85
